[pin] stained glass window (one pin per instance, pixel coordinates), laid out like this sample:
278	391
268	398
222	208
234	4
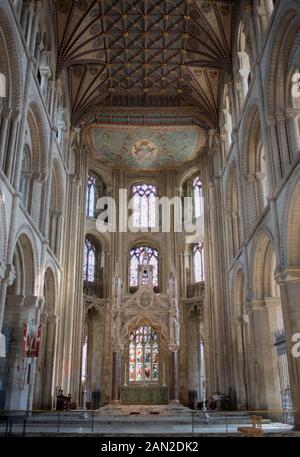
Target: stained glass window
91	196
198	259
137	257
89	261
143	355
144	205
198	197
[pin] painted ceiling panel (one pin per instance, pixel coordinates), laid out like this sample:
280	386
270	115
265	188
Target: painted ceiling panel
145	148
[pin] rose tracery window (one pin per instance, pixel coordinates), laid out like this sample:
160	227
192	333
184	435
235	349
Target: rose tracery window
198	197
143	355
144	205
89	265
198	262
137	257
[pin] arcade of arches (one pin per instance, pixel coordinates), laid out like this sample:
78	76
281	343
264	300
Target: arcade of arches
188	98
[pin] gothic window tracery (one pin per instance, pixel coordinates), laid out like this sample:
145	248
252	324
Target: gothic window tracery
198	262
91	196
143	355
137	257
144	205
198	197
89	261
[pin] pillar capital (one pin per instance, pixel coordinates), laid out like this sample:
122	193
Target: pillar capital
290	274
10	274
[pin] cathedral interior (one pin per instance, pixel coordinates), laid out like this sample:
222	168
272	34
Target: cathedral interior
150	205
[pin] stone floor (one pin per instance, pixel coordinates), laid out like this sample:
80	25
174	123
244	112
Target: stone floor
171	420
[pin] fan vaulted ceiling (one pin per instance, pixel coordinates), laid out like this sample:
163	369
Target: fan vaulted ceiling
128	58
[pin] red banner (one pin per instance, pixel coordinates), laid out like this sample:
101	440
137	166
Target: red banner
31	339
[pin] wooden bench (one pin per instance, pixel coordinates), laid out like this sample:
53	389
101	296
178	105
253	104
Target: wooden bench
255	430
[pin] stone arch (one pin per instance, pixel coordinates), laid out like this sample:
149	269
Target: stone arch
263	265
153	244
285	32
254	164
51	267
290	248
44	381
38	140
19	315
10	59
139	320
187	175
39	162
50	290
267	321
27	233
96	287
238	296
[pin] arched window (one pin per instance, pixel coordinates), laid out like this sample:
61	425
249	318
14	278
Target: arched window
89	267
244	52
143	355
198	262
144	206
96	188
93	267
264	10
91	196
197	197
227	120
137	257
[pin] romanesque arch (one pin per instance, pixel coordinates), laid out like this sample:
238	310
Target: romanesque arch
254	165
39	163
20	317
10	59
291	226
266	322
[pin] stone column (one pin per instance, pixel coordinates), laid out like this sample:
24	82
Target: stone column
267	379
6	116
48	188
276	156
59	227
116	375
193	354
283	141
289	283
11	144
174	371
